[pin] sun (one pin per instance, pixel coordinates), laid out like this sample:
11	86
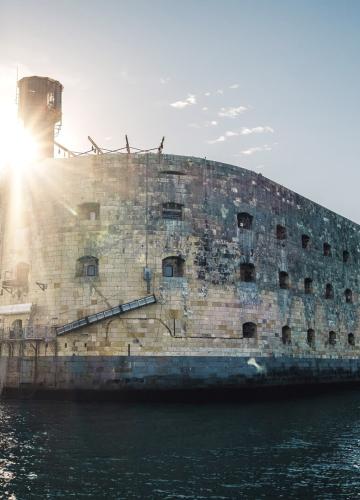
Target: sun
18	149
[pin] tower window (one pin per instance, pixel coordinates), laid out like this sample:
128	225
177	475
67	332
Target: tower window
244	220
346	256
332	338
305	241
280	232
327	250
348	296
173	267
286	335
329	291
249	330
87	266
308	285
247	272
310	338
284	281
172	211
351	339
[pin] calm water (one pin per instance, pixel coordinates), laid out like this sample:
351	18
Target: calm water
306	448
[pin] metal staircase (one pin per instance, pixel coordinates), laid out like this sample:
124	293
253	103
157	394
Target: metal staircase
108	313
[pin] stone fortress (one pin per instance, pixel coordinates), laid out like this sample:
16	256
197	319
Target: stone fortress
251	284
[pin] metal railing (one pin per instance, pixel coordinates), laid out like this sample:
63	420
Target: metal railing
28	332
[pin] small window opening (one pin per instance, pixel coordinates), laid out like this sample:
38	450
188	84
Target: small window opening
308	285
329	291
244	220
249	330
247	272
286	335
305	241
346	256
332	338
89	211
311	337
284	281
22	273
351	339
280	232
172	211
348	296
87	266
173	267
327	250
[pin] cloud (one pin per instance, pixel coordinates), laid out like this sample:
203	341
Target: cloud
230	133
222	138
204	108
232	112
256	130
219	92
165	80
190	100
214	123
251	151
207	94
234	86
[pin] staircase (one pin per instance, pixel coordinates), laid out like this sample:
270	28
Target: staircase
92	319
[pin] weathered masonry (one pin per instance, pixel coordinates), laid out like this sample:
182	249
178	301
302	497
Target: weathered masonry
251	281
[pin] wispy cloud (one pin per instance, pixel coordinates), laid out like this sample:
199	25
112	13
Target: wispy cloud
222	138
165	80
205	108
190	100
256	130
234	86
219	92
232	111
251	151
207	94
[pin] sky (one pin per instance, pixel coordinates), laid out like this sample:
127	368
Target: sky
268	85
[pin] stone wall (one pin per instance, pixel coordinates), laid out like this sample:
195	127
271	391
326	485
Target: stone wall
123	213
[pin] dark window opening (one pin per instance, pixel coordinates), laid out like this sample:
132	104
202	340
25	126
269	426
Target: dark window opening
249	330
351	339
22	273
327	250
247	272
346	256
311	337
87	266
280	232
308	285
244	220
173	267
305	241
348	296
332	338
89	211
329	291
284	281
172	211
286	335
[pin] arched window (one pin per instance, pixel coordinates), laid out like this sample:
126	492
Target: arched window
332	338
173	267
22	273
249	330
329	291
286	335
89	211
87	266
172	211
247	272
244	220
284	281
351	339
348	296
280	232
346	256
327	250
308	285
305	241
310	338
